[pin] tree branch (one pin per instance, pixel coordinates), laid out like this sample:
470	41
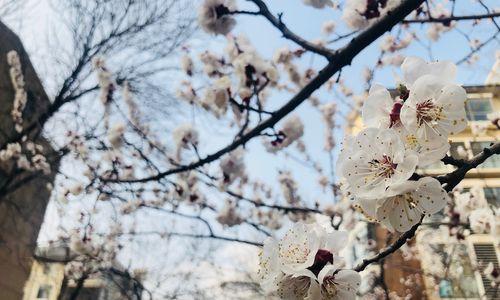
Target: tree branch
389	250
340	59
288	34
453	18
453	179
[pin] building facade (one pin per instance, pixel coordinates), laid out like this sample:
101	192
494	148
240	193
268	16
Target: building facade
47	280
23	197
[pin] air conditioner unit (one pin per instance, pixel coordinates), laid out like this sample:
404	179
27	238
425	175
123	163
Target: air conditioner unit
483	249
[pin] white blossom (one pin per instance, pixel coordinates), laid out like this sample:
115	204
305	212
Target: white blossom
282	55
233	166
292	130
374	161
466	203
482	220
338	284
106	83
434	109
229	215
360	13
328	27
21	97
214	16
217	96
115	135
318	3
187	64
302	265
406	203
415	67
185	136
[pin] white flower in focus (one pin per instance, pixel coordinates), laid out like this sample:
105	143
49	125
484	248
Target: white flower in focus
375	161
434	109
318	3
309	247
415	67
338	284
406	203
380	110
269	272
306	256
298	287
185	136
429	152
214	16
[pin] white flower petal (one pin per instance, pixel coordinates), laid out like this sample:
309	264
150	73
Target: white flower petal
297	249
377	108
431	197
415	67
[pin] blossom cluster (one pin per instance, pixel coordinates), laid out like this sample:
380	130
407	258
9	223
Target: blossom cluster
359	14
21	97
378	165
305	264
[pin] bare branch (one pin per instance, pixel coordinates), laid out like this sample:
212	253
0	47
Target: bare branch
445	20
340	59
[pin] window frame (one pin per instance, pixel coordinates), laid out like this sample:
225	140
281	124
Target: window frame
441	237
488	97
481	239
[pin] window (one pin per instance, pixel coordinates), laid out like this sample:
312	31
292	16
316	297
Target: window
43	292
492	195
485	254
86	293
457	279
478	109
492	162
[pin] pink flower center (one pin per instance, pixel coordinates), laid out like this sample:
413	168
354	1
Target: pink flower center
395	114
428	112
384	167
221	10
322	258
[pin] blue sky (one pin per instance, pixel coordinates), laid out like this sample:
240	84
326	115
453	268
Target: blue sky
307	22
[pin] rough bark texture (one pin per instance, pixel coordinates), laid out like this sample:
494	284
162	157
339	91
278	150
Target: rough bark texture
22	206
